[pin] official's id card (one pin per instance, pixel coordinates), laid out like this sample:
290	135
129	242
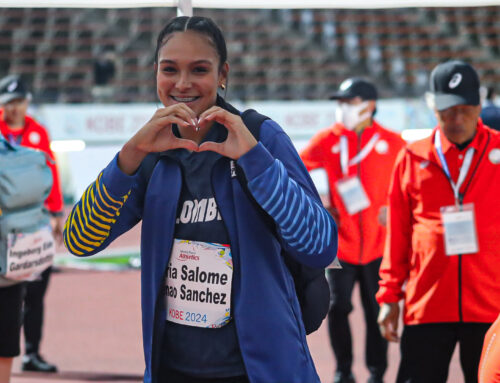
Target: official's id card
460	235
353	194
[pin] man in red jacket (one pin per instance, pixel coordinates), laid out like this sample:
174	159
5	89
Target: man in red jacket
357	155
442	241
20	129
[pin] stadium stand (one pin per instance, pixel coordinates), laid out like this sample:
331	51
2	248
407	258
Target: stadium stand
274	54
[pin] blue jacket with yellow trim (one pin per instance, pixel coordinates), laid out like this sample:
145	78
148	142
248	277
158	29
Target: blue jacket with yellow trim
266	310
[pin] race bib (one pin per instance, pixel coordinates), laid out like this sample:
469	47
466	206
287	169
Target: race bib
198	284
460	236
29	254
353	194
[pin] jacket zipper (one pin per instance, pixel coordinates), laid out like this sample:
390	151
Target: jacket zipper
460	200
360	218
159	296
460	309
231	247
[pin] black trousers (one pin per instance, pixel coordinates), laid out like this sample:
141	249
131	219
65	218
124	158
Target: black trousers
33	311
11	309
341	285
426	351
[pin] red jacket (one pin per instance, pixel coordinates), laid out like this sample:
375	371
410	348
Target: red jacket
361	237
35	136
441	288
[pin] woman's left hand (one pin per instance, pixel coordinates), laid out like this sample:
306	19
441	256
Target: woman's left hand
239	139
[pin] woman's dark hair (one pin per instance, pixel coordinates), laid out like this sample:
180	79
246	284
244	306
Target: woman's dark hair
202	25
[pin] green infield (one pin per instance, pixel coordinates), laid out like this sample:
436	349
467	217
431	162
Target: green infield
101	262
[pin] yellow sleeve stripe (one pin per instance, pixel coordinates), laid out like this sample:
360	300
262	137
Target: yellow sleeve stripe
86	248
72	249
67	228
107	228
86	212
92	211
101	217
97	203
114	208
90	221
87	226
106	192
90	216
81	238
100	225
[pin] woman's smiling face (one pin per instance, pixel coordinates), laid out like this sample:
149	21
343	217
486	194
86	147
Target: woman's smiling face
189	71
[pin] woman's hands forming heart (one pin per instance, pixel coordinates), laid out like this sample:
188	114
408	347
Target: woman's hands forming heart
157	135
239	139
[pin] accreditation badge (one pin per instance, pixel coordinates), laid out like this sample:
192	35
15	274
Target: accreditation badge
353	194
460	234
198	284
29	254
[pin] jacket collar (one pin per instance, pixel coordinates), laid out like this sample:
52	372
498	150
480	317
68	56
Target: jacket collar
426	150
5	128
447	144
339	129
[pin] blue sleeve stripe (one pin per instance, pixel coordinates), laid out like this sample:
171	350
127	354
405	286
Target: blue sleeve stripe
277	205
290	210
92	218
273	192
292	235
293	209
320	225
298	222
286	207
303	223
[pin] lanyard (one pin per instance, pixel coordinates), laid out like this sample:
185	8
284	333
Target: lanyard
344	153
464	169
14	140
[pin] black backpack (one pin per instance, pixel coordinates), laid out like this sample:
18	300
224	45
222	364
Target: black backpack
311	285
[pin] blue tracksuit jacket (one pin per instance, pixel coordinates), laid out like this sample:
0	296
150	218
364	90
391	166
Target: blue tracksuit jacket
266	311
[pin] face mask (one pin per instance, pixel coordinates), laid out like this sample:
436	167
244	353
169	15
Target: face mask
350	116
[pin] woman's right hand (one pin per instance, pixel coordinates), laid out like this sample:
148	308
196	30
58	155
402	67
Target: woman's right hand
157	136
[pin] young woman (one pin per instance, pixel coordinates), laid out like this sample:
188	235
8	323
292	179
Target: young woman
218	302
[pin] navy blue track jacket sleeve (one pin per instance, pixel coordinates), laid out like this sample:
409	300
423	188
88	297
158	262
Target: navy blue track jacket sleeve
280	183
